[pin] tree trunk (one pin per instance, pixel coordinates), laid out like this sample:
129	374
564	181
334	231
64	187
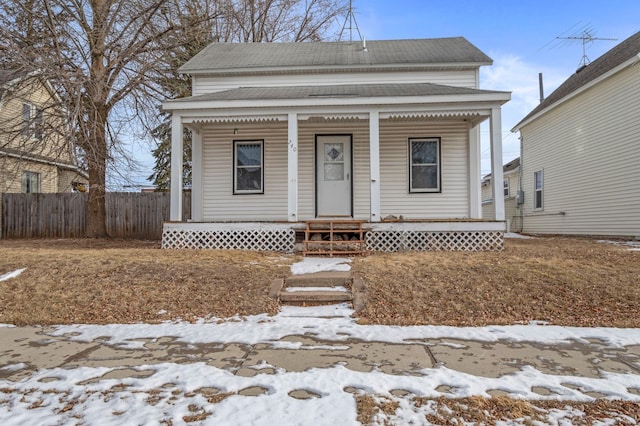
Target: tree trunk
97	165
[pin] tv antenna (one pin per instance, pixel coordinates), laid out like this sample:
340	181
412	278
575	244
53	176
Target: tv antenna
350	20
587	37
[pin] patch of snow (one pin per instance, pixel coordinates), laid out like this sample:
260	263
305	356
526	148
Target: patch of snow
14	367
161	312
516	235
335	323
630	245
310	265
538	322
69	396
13	274
36	399
338	289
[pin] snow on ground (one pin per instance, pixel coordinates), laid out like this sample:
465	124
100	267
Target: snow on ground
310	265
516	235
180	393
13	274
174	391
57	396
335	324
631	245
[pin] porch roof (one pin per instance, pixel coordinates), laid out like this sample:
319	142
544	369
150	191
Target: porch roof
336	91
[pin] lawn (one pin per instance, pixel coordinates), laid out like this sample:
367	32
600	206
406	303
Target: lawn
572	282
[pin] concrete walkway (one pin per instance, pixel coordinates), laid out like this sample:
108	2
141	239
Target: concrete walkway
38	350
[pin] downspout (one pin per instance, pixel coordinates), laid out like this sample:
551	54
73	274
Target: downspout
520	190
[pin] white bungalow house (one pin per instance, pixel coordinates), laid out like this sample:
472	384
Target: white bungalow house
580	151
382	132
510	189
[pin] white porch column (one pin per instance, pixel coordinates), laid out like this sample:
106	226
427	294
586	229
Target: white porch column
496	163
374	164
293	167
176	168
475	194
196	174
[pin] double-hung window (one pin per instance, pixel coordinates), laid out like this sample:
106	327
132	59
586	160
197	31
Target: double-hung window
424	165
537	190
505	185
32	121
248	169
30	182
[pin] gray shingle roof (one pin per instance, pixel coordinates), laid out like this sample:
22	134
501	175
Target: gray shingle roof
605	63
337	91
227	57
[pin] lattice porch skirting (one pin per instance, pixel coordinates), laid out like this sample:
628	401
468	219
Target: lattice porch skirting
392	241
436	236
246	236
384	237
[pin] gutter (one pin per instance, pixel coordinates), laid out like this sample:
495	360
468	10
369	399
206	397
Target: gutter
39	160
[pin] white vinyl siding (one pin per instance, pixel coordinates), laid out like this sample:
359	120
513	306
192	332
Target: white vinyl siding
360	161
218	201
511	211
220	204
588	148
396	200
211	84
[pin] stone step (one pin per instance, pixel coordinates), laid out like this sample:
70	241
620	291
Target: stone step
316	296
319	279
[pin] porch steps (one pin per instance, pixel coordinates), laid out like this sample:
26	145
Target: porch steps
334	238
321	288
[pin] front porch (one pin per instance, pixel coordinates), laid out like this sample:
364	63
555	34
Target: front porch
441	235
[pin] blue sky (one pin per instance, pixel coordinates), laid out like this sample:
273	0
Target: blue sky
519	35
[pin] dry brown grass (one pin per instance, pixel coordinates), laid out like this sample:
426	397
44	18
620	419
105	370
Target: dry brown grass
573	282
100	281
559	280
489	411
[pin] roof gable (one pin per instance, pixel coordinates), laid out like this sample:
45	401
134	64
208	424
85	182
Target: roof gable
605	63
230	57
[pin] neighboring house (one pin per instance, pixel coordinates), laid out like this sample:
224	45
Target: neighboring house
34	154
380	132
510	189
581	151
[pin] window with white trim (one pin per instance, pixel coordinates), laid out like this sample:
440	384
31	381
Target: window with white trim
537	190
30	182
32	121
505	185
248	169
424	165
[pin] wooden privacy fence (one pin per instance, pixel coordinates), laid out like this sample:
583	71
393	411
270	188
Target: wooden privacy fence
64	215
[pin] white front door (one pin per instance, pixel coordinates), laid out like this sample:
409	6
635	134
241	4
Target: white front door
333	176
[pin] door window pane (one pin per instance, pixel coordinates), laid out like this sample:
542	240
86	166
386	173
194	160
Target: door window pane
333	152
333	171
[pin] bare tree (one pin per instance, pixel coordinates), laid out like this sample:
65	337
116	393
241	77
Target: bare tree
279	20
100	55
242	21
